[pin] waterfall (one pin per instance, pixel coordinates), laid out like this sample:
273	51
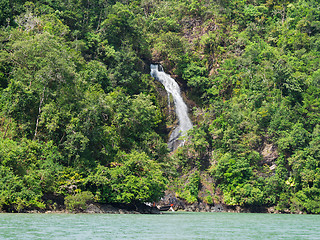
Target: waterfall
181	108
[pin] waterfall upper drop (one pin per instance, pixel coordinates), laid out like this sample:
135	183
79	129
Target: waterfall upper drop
181	108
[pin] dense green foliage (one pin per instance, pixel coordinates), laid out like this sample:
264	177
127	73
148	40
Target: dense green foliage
79	112
78	201
258	123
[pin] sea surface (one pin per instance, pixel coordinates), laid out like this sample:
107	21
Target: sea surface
173	225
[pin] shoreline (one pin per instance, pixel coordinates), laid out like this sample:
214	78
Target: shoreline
97	208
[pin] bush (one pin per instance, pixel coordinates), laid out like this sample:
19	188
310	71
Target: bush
78	201
191	190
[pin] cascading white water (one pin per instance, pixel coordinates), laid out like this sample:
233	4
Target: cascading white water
181	108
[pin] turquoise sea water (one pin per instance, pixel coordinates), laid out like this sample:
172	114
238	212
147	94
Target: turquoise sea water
176	225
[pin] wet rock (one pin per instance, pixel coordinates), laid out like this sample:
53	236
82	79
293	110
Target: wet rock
109	209
120	209
93	209
217	208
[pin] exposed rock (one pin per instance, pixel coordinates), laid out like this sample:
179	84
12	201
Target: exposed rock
98	208
217	208
273	167
202	206
181	204
269	153
120	209
271	210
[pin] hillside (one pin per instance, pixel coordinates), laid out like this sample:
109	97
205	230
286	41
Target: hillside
81	119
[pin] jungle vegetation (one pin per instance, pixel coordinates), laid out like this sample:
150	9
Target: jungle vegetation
80	115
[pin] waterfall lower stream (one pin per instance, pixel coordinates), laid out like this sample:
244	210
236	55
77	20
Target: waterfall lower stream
181	108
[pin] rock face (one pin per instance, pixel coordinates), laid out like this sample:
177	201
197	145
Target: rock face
181	109
97	208
269	153
121	209
180	204
139	208
201	206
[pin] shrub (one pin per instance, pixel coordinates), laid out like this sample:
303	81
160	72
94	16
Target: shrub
78	201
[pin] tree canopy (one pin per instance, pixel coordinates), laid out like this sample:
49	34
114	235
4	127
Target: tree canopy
79	112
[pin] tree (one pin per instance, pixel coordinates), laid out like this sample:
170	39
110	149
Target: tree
135	179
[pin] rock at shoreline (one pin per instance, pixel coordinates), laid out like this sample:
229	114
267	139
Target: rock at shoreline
123	209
